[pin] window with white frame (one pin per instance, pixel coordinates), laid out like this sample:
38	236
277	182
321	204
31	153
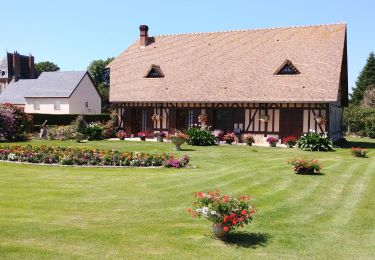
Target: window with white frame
36	105
57	105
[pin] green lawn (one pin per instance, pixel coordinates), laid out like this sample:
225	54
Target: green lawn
69	212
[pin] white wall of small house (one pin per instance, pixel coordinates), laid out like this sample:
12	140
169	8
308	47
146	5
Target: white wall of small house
85	92
47	105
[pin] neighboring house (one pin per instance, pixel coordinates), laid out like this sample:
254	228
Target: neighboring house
15	66
68	92
279	81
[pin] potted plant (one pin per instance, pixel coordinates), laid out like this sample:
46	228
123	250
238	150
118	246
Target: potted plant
155	117
290	141
178	139
225	212
121	135
305	166
229	138
264	118
248	139
358	152
142	136
202	118
272	141
159	136
320	120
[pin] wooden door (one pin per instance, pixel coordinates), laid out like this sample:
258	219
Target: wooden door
291	122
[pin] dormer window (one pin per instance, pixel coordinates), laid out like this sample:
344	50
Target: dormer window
287	68
154	72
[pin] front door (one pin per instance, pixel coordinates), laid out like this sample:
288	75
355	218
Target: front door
291	122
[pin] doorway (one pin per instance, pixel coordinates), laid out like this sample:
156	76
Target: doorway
291	122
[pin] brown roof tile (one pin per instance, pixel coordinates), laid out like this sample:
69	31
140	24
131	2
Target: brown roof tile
233	66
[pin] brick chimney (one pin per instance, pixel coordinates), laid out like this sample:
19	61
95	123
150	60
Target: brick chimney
143	35
16	66
31	67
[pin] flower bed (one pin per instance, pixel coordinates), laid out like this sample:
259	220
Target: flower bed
87	156
305	166
224	211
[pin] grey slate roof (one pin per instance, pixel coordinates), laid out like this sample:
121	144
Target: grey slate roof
49	84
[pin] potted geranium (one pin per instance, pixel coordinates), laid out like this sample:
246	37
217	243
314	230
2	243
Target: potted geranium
358	152
264	118
178	139
121	135
155	117
290	141
159	136
229	138
142	136
305	166
225	212
248	139
272	141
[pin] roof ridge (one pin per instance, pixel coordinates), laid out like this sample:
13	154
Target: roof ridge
256	29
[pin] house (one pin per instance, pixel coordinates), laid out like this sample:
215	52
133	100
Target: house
15	66
279	81
68	92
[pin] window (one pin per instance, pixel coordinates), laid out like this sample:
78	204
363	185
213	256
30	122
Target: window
57	105
87	104
154	72
36	105
287	68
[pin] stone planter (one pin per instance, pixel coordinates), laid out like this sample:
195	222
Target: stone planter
228	142
160	139
290	145
143	138
305	171
250	143
218	230
273	144
177	147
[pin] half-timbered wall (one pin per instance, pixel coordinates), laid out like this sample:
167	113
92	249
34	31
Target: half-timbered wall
251	111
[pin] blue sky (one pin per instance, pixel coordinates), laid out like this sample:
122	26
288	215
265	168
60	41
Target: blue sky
71	33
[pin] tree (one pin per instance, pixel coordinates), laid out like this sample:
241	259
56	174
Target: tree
44	66
365	79
369	97
100	75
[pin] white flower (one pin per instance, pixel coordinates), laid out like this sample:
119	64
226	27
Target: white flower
198	210
213	212
204	210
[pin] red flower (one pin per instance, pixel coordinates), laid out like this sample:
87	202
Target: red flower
200	194
226	198
243	212
226	219
226	228
232	215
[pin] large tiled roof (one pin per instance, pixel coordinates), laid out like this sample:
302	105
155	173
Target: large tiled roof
48	84
233	66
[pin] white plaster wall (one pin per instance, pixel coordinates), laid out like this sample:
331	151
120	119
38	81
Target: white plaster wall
47	105
85	92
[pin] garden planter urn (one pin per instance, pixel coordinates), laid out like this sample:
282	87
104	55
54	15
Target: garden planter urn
143	138
218	230
177	147
305	171
160	139
273	144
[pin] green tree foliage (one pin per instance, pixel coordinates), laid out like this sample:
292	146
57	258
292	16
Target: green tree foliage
44	66
365	79
100	75
360	120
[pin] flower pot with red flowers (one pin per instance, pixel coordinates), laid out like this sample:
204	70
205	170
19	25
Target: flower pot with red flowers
178	139
305	166
358	152
142	136
226	212
272	141
290	141
121	135
229	138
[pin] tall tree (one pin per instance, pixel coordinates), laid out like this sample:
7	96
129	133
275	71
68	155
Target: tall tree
100	75
365	79
45	66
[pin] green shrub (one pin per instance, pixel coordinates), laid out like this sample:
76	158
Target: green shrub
200	137
94	131
312	141
360	120
61	133
15	124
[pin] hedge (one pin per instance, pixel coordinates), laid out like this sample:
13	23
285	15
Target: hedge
39	119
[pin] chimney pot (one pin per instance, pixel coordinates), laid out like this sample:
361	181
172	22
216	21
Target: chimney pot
143	35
